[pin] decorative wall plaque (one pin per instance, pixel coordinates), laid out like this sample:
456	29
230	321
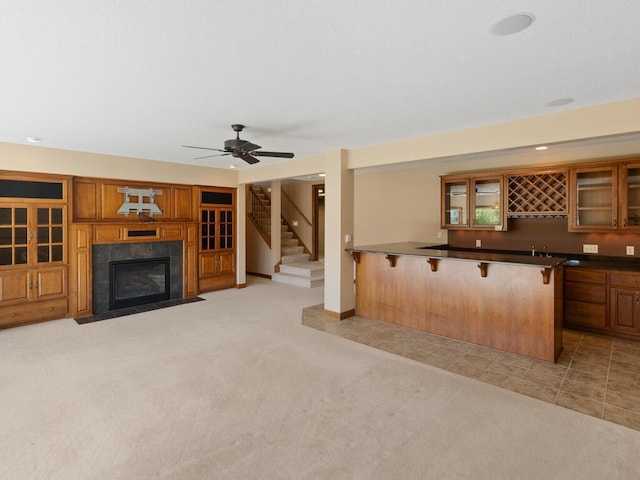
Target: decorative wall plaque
145	201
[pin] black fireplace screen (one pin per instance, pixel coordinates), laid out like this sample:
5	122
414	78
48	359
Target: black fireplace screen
138	282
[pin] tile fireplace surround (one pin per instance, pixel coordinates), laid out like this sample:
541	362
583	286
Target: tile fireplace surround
103	254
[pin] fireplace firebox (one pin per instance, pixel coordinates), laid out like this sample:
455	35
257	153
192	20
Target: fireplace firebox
138	282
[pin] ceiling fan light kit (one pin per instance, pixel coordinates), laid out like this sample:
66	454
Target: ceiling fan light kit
239	148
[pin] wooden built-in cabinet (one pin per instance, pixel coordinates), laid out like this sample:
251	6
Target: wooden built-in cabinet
98	199
605	197
33	239
473	202
603	301
216	254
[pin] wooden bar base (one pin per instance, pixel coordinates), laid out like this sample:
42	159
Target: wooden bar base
511	309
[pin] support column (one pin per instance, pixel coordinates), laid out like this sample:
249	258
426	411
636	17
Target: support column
241	236
276	236
339	293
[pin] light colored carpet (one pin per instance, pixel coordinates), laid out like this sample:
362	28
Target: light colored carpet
236	388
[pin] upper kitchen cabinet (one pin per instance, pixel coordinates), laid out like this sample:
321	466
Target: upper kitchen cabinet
455	202
487	203
593	202
629	192
473	202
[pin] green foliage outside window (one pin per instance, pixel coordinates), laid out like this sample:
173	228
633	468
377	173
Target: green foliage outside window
487	216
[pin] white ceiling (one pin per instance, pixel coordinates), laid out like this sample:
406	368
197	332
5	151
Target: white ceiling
141	77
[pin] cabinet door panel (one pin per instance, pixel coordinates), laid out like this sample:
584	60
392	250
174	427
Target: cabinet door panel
14	286
51	283
625	309
208	264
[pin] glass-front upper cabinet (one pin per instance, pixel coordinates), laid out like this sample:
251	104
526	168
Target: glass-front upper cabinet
630	196
487	203
31	235
455	203
594	199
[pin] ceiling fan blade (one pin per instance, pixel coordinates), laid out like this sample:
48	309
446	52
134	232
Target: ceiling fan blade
203	148
248	146
214	155
262	153
248	158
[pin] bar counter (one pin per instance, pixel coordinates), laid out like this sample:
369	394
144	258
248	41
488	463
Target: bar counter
504	301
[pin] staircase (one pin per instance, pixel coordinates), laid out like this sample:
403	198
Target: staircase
295	266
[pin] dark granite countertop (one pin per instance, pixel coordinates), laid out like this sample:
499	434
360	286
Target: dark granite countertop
434	250
438	250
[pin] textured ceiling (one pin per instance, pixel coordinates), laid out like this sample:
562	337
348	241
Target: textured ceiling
141	77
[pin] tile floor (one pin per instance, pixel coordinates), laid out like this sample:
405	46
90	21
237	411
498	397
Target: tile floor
595	375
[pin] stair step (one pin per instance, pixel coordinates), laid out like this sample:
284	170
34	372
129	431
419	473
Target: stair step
294	258
286	235
314	270
289	242
296	280
291	250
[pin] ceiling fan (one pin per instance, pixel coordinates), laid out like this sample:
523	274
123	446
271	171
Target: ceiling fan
238	148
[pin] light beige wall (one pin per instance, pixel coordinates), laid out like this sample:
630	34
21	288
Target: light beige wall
404	204
26	158
300	193
258	253
596	121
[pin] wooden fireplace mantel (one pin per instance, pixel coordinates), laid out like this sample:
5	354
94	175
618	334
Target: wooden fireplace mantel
84	235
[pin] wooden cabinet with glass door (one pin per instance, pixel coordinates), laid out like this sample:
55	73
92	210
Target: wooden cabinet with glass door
473	202
593	202
216	256
33	268
455	202
629	192
487	203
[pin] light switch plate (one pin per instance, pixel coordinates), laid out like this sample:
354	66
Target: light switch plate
478	243
589	248
631	250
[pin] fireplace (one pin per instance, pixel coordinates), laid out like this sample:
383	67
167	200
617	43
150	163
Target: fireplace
138	282
151	272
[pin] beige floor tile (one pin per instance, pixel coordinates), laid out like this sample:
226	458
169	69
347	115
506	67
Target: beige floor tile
622	387
466	368
622	416
592	359
627	356
580	404
589	391
587	378
535	390
595	351
583	365
564	359
624	377
625	367
497	379
623	400
499	366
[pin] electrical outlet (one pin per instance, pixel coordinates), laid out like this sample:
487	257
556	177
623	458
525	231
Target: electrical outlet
589	248
439	235
478	243
631	250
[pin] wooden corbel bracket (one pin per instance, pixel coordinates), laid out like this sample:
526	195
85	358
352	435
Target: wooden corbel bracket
393	259
356	256
546	275
434	263
483	269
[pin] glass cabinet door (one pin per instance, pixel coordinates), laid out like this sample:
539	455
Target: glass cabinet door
14	240
630	197
594	198
487	203
455	203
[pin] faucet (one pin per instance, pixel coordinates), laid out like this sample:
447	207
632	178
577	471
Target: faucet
533	250
545	253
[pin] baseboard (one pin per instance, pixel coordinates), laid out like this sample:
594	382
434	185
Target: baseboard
241	285
263	275
339	315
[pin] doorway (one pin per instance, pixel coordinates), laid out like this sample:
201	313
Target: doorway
318	193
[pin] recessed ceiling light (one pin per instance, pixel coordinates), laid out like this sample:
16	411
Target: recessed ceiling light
542	147
232	166
34	139
321	174
512	24
559	102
